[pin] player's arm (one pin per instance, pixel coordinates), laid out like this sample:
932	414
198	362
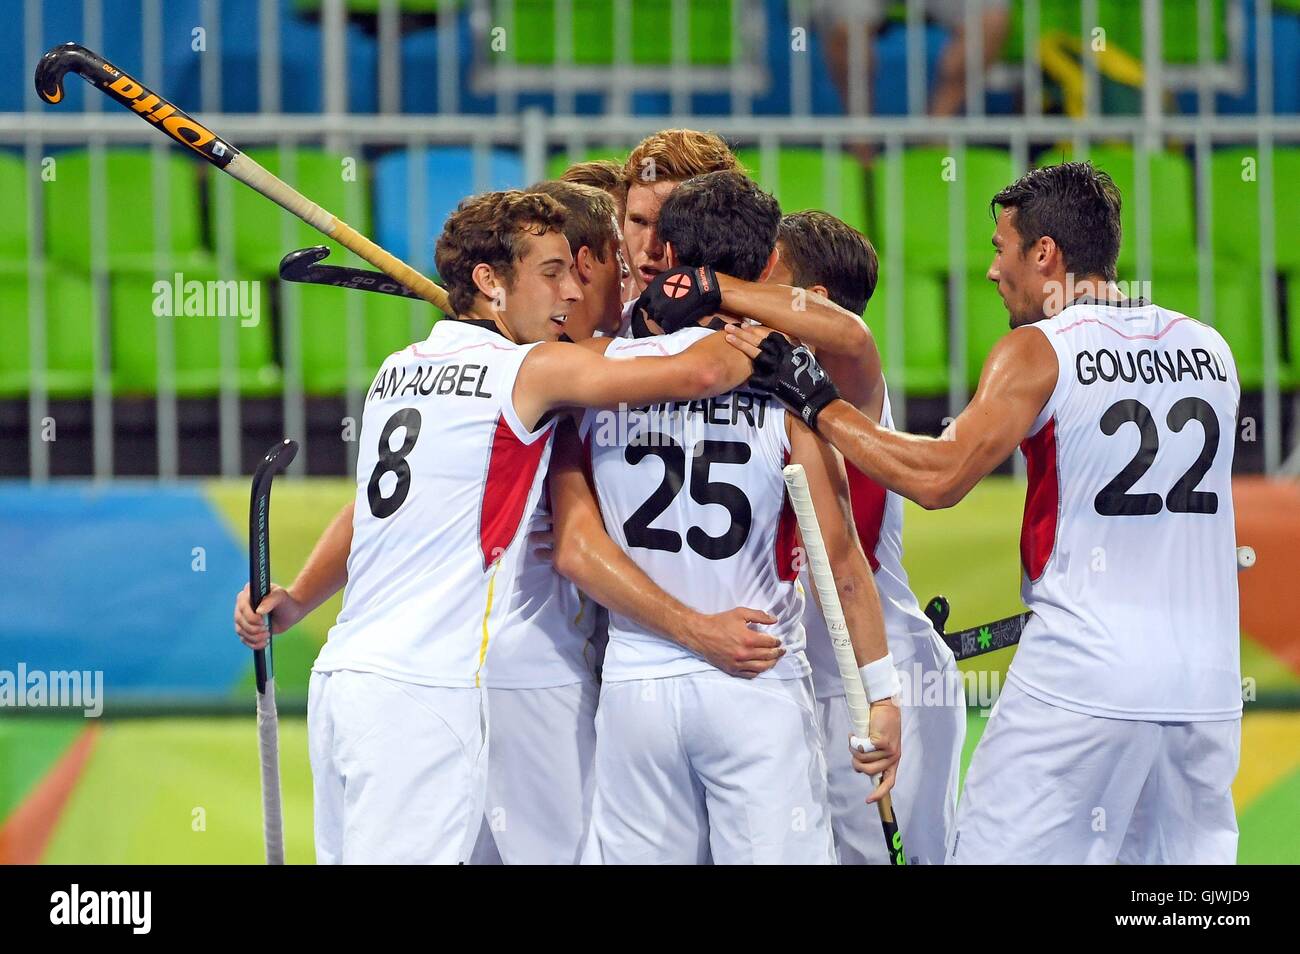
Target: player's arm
856	586
1017	380
559	374
323	575
585	554
844	344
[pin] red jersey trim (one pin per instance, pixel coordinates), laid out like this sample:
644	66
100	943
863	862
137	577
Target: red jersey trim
868	500
1042	501
786	550
511	469
1097	321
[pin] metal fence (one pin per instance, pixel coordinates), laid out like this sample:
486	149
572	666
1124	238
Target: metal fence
536	135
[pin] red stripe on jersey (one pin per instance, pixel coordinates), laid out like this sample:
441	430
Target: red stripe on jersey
787	539
512	467
1097	321
1042	501
868	500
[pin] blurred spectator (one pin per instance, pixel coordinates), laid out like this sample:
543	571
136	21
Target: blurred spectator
840	19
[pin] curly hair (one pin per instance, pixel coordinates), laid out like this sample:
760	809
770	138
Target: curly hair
489	229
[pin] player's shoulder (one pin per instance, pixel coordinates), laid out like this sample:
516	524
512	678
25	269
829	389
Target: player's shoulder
660	345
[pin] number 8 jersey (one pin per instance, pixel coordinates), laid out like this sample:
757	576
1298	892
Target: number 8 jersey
1128	544
447	478
692	490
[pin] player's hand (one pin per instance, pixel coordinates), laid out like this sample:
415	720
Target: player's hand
542	543
886	729
284	609
787	371
729	642
680	297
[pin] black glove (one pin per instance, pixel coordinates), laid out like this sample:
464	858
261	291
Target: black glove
793	376
679	298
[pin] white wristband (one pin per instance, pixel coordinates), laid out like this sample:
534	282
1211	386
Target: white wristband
881	678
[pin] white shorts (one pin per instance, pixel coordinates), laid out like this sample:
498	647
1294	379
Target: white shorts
1050	786
925	791
704	766
539	784
398	769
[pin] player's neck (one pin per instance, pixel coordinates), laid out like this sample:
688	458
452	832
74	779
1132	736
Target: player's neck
1096	288
485	312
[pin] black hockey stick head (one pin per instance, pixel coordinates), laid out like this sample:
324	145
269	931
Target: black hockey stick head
259	537
301	266
131	93
937	611
56	64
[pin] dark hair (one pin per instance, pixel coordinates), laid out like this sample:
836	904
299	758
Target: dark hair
822	250
589	215
490	228
1077	206
723	220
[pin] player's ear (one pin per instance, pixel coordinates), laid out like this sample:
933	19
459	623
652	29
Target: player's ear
584	262
771	264
819	290
486	281
670	255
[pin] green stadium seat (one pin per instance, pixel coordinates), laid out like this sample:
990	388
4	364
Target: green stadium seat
69	335
593	32
197	338
1236	233
987	321
925	334
387	324
1122	21
13	209
131	189
1235	173
802	182
259	224
927	177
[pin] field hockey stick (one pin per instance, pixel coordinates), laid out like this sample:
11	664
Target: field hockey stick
819	569
134	95
1007	631
302	266
259	581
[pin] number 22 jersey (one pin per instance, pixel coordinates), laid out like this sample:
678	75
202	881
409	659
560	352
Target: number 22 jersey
1128	544
447	480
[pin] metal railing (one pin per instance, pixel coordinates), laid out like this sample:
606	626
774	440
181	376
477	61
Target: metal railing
536	135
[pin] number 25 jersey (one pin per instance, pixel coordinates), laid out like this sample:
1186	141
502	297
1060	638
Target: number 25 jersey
447	480
692	491
1128	544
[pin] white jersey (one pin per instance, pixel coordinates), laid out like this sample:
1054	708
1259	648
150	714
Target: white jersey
878	515
1128	544
692	490
544	640
447	476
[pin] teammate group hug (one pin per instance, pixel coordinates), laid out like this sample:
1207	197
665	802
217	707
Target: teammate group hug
577	625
